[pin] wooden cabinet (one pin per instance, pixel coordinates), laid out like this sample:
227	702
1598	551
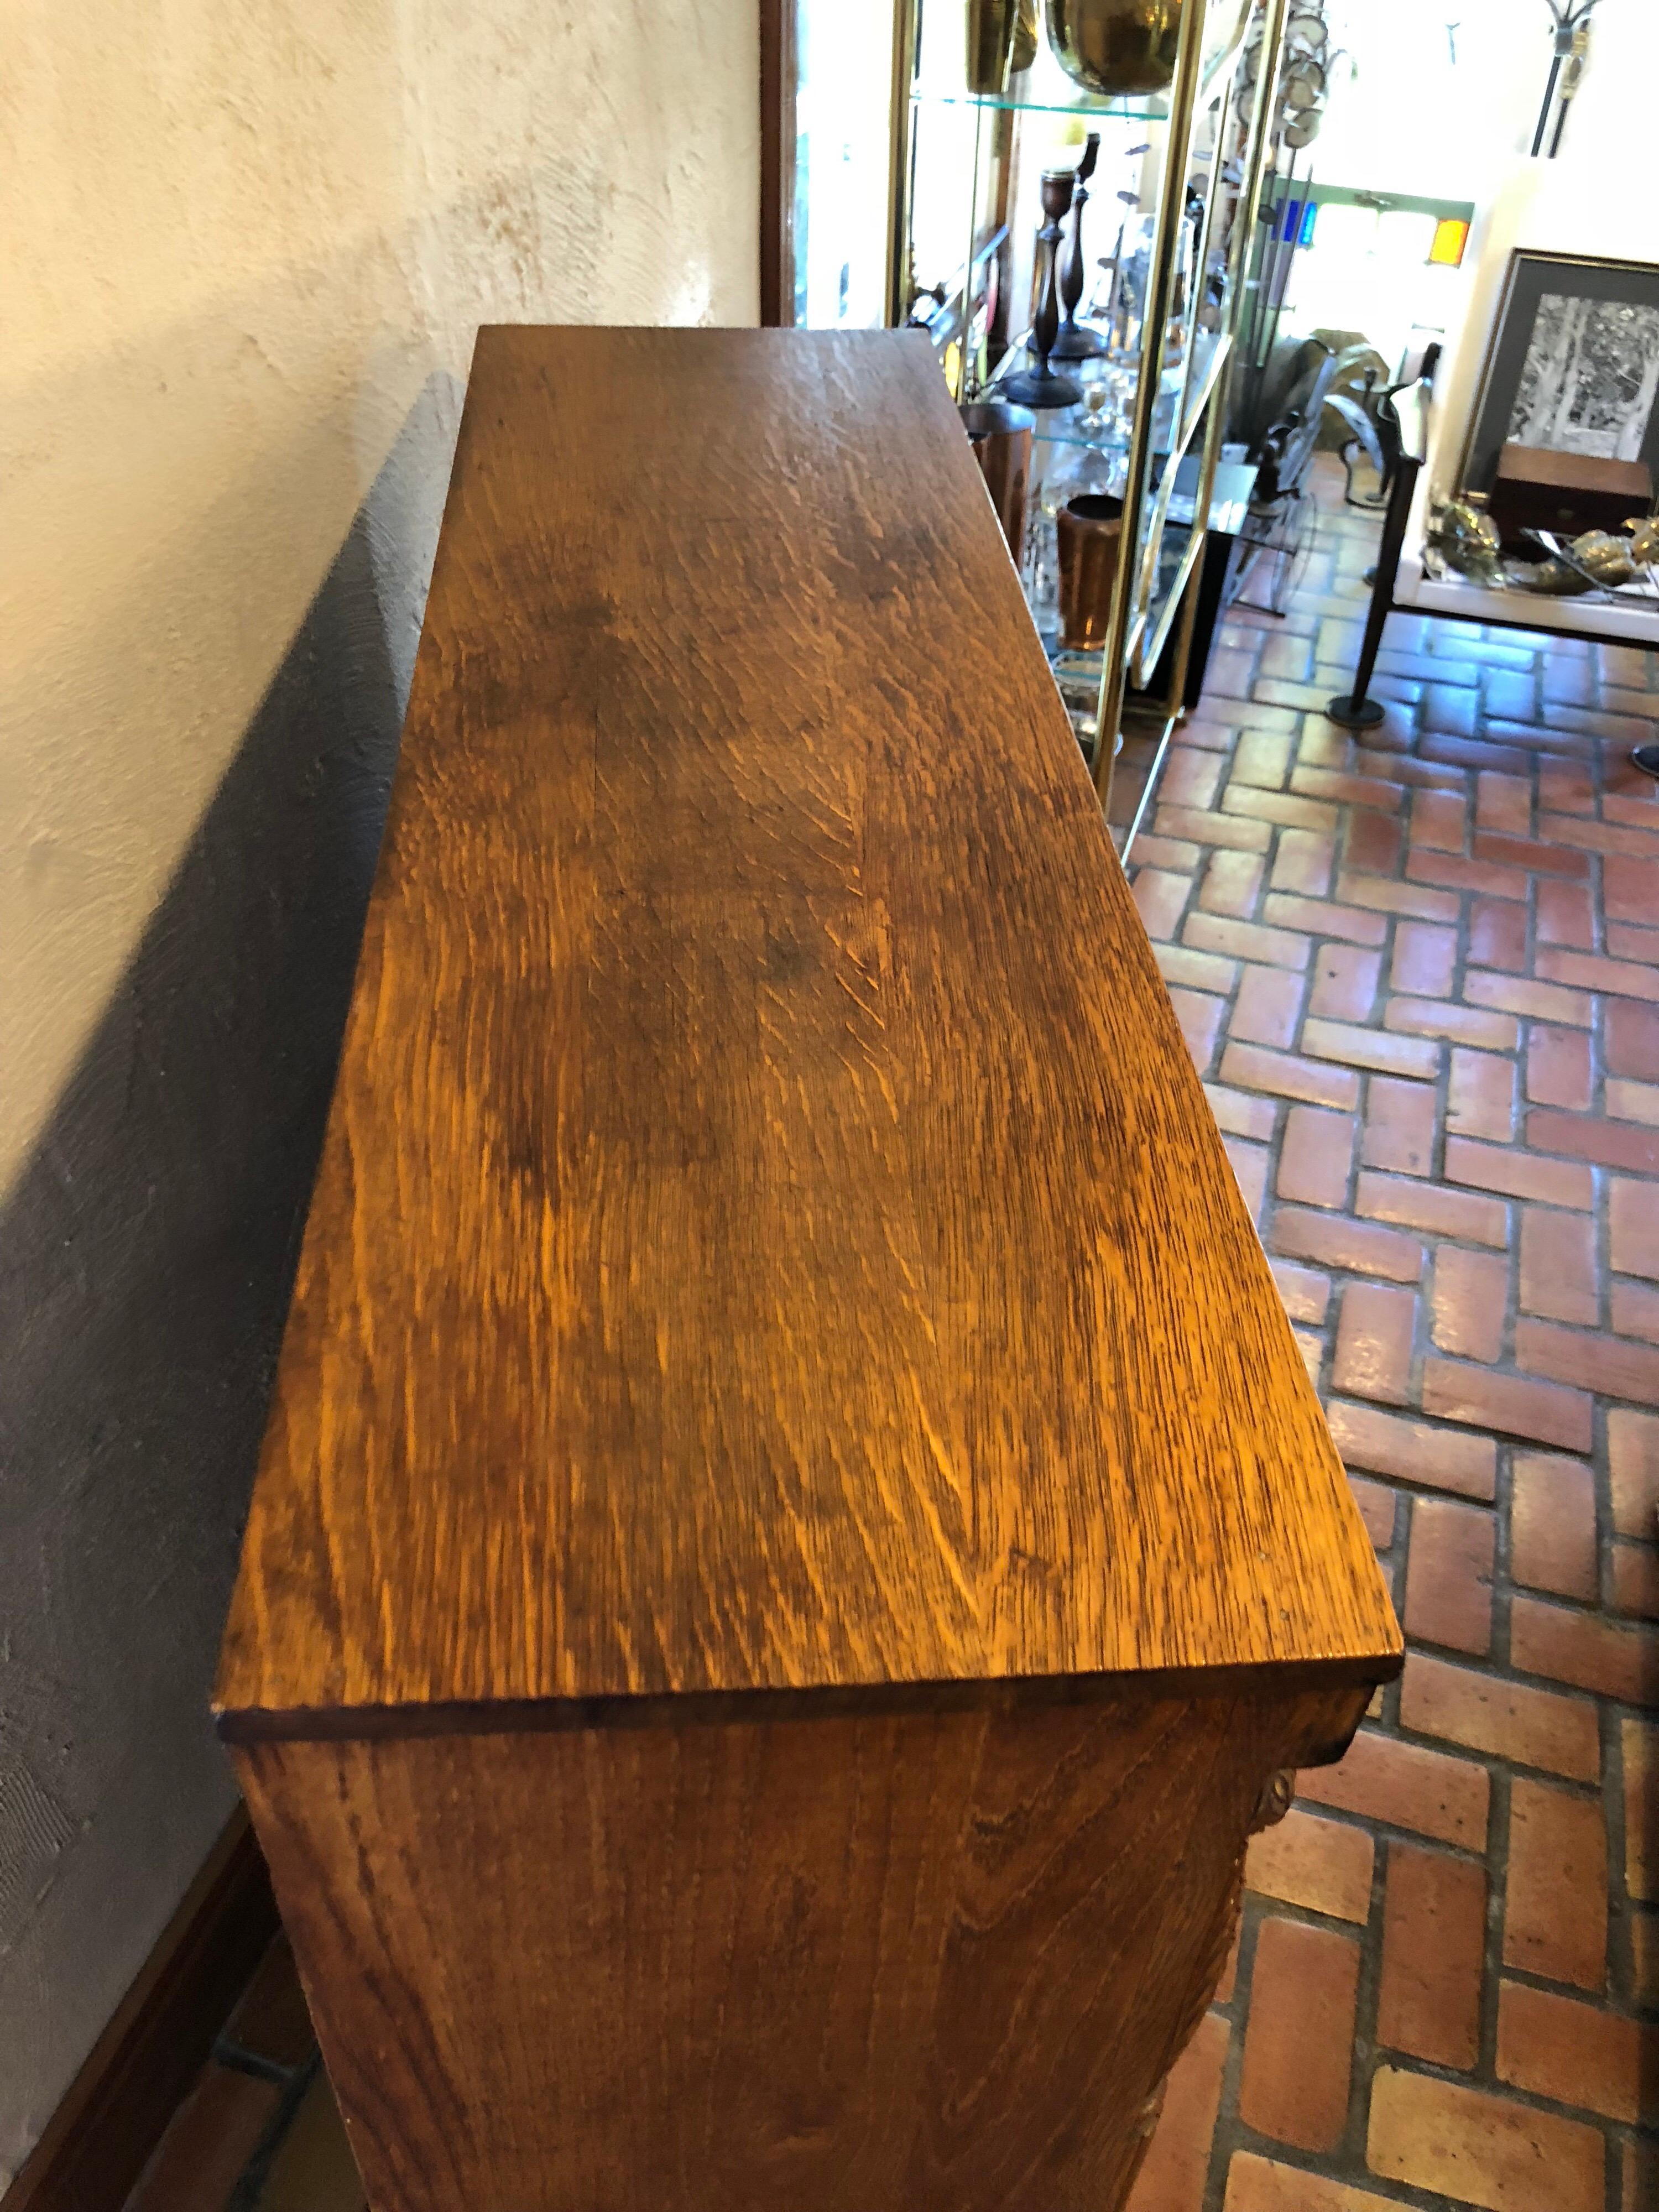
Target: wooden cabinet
794	1535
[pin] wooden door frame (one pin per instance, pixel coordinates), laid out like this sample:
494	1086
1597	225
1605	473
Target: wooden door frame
777	159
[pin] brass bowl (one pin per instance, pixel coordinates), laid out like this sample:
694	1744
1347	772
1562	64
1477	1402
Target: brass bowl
1113	46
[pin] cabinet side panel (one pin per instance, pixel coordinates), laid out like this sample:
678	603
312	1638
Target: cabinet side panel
844	1964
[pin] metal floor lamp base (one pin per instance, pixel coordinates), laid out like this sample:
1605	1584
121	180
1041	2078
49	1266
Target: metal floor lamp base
1646	757
1352	714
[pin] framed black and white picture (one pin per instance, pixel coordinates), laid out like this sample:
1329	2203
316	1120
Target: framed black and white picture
1573	367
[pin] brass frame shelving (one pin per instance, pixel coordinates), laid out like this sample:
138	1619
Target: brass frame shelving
1135	641
1154	607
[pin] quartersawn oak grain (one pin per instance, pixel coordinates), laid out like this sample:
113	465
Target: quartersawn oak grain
769	1234
793	1533
922	1962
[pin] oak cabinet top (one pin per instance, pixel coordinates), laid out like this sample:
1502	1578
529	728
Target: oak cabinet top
769	1234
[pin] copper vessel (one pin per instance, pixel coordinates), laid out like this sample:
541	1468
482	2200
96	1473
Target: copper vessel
991	28
1091	537
1002	438
1113	46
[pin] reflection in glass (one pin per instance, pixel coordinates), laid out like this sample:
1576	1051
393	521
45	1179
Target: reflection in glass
843	126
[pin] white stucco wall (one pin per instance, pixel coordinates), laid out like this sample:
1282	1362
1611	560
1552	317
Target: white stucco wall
243	251
1587	201
234	243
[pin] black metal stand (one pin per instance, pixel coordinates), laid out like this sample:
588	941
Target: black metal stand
1039	386
1354	710
1566	67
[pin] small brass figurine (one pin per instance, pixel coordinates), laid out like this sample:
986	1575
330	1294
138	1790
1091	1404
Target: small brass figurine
1463	539
1610	560
1601	560
1553	579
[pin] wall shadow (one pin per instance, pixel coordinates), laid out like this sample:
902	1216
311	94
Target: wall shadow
147	1254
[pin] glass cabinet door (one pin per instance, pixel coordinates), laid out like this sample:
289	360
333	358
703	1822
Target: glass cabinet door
940	232
842	217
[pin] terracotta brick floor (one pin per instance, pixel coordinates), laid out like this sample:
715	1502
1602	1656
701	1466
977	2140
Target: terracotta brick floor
1420	976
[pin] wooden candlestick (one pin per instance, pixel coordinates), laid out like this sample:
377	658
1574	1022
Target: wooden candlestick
1074	343
1041	387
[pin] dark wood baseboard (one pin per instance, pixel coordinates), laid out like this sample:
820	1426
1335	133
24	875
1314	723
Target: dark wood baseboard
101	2137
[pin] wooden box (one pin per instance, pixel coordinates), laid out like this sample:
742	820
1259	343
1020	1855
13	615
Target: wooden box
794	1537
1565	493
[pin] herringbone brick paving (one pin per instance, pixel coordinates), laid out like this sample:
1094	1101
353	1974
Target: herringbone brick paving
1420	976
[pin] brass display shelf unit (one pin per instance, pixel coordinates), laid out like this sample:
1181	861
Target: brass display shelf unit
1203	145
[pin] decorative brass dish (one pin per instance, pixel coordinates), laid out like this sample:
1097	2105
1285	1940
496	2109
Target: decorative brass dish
1600	560
1115	47
1462	538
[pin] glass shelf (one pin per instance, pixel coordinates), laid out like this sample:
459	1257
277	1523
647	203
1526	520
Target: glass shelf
1062	426
1151	107
1126	107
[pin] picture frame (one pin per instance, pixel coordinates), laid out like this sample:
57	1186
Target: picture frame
1572	365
